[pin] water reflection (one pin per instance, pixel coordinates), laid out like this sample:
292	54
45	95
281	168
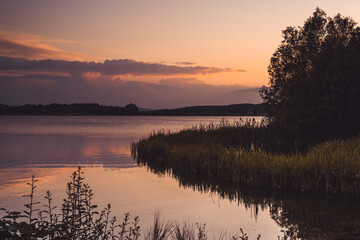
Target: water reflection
29	150
52	147
305	216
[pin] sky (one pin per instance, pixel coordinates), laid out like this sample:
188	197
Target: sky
153	53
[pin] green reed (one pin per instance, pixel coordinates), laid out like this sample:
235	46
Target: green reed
234	153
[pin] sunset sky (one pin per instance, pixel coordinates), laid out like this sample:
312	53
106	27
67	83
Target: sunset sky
153	53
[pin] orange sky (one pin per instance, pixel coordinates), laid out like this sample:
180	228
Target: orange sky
228	35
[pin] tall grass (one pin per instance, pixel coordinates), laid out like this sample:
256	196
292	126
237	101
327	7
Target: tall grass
234	153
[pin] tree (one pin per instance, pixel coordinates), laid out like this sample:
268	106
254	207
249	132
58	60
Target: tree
314	88
131	108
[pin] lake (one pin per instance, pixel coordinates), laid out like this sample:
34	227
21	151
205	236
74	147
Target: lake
52	147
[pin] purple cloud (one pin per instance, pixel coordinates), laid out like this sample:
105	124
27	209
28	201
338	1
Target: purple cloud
108	67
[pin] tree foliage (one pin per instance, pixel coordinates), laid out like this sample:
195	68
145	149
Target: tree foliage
314	88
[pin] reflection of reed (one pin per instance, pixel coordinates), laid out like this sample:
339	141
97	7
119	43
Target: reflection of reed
305	216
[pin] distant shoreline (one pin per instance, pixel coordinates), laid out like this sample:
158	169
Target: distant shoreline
94	109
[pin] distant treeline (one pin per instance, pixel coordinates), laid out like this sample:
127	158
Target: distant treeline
244	109
132	109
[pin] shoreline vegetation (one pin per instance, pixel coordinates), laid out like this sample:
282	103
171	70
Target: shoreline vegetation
94	109
237	153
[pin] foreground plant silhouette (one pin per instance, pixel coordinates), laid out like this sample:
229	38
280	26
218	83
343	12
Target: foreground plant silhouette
78	218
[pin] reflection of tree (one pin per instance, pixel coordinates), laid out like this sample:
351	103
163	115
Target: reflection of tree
316	217
304	216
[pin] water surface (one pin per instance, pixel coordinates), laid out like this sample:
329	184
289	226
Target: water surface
51	148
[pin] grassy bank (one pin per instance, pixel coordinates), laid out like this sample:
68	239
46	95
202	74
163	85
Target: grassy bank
235	153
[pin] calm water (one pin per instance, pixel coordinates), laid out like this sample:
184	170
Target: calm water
51	147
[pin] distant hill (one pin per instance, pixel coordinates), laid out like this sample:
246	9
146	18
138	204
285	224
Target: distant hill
132	109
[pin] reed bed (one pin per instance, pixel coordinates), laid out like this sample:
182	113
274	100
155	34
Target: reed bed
234	153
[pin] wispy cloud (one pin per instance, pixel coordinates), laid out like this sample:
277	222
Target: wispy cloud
31	38
18	49
30	46
179	82
184	63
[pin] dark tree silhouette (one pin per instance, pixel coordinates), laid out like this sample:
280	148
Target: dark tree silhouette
131	108
314	88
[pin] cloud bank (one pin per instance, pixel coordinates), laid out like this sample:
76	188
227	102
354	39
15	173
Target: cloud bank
36	89
108	67
25	81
